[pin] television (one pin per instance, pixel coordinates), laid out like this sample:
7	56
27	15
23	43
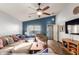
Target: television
72	26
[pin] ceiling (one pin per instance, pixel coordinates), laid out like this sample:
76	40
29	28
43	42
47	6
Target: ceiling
23	11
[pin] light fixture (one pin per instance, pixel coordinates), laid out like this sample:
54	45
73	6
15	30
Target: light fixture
39	12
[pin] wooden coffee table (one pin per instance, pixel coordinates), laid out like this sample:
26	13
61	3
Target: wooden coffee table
35	47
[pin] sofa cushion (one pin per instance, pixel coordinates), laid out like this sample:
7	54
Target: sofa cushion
15	38
6	38
1	44
7	49
21	36
22	47
4	41
10	40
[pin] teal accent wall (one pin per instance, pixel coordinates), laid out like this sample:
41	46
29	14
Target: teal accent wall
42	21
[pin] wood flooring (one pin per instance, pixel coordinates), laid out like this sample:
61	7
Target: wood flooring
56	47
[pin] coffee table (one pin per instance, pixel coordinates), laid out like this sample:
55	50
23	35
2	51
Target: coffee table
35	47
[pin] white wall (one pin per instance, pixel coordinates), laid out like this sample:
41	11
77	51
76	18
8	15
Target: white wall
9	25
65	15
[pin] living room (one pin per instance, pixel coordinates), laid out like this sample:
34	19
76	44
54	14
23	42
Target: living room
20	34
38	28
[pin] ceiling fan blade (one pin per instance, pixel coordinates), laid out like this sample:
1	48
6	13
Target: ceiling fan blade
46	13
47	7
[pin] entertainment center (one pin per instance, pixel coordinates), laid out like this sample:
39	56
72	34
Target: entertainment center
71	46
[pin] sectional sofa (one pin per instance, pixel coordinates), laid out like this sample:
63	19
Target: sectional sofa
13	44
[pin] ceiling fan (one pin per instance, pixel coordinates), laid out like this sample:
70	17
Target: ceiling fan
40	11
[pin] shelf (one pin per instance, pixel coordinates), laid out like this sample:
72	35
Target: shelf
71	46
70	52
72	49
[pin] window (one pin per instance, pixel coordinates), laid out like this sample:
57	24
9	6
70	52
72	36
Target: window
33	29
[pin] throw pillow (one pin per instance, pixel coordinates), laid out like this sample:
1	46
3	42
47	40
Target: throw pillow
4	41
1	44
10	40
15	38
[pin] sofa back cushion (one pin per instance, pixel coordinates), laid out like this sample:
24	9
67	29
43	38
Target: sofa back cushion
1	43
4	41
5	38
15	38
10	40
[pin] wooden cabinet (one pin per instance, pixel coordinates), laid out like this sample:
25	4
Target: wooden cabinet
71	46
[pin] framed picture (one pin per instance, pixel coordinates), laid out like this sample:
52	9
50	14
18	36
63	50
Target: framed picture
62	28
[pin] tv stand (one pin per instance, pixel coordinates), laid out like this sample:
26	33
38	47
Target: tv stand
71	46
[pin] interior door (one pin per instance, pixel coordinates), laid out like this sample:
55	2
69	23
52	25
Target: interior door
53	32
50	31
